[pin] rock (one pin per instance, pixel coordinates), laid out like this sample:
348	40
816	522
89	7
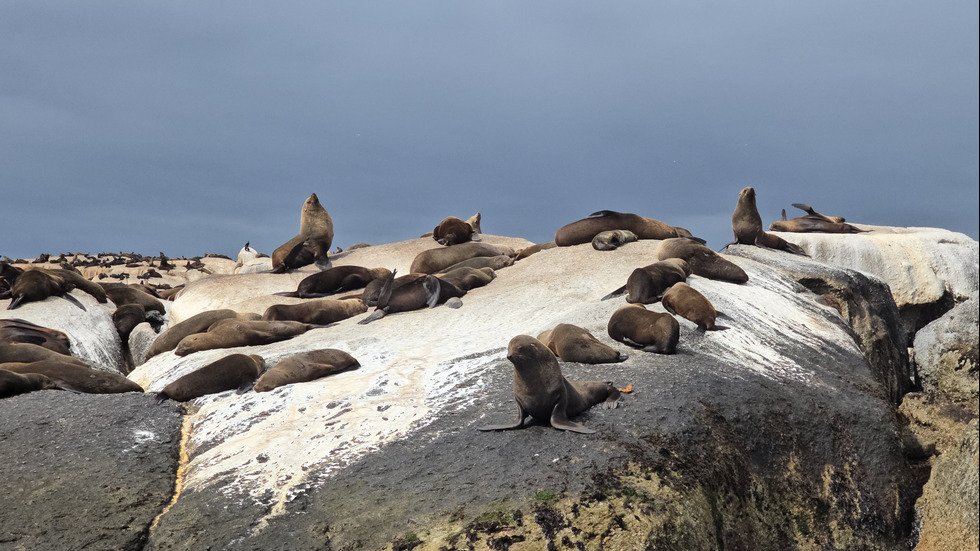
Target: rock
946	352
949	504
140	340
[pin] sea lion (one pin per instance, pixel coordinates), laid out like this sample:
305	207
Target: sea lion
533	249
452	230
232	333
126	318
15	330
198	323
543	393
74	375
316	228
747	226
493	262
572	343
34	285
316	312
336	280
702	260
584	230
304	367
645	285
236	371
685	301
12	384
416	293
634	325
436	260
468	279
121	294
612	239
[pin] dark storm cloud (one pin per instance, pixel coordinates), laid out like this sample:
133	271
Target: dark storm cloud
190	128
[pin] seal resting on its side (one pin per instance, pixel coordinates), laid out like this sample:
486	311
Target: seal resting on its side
236	371
572	343
685	301
543	393
12	384
232	332
304	367
585	230
702	260
634	325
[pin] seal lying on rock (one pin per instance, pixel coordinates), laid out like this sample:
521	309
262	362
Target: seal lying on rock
452	230
572	343
36	285
813	222
585	230
543	393
231	333
336	280
71	374
645	285
685	301
236	371
436	260
12	384
198	323
612	239
317	312
747	226
304	367
418	291
634	325
702	260
22	331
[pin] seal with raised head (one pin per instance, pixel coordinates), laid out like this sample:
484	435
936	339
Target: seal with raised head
685	301
645	285
612	239
72	374
336	280
634	325
572	343
12	384
702	260
452	230
747	226
231	333
436	260
585	230
315	228
542	392
419	291
198	323
235	371
305	367
316	312
14	330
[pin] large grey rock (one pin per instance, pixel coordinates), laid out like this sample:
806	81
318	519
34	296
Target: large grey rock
84	471
941	345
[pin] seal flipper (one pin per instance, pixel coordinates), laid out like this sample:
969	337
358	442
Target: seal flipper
73	300
521	415
601	213
294	294
245	387
783	216
612	399
618	292
560	421
432	287
15	303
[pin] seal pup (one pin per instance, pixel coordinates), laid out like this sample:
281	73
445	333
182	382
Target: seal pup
645	285
585	230
12	384
634	325
336	280
71	374
685	301
702	260
436	260
305	367
747	226
235	371
36	285
543	393
612	239
198	323
14	330
232	333
419	292
316	312
572	343
452	230
315	228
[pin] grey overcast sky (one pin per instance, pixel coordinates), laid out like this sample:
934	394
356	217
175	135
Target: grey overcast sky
189	127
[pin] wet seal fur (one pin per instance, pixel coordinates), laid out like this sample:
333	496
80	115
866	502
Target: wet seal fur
634	325
236	371
747	226
305	367
685	301
232	333
585	230
702	260
612	239
646	285
572	343
543	393
315	229
316	312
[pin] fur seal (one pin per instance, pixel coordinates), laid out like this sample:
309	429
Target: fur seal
436	260
533	249
27	353
584	230
685	301
416	293
35	285
747	226
809	210
316	312
634	325
232	332
15	330
572	343
493	262
73	375
315	228
543	393
304	367
702	260
335	280
121	294
452	230
236	371
813	222
612	239
468	279
12	384
645	285
126	318
198	323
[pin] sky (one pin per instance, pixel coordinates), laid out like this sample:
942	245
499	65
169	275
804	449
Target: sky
190	127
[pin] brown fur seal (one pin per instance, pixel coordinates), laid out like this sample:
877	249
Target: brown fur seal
436	260
814	214
27	353
74	375
336	280
126	318
634	325
316	312
416	293
198	323
12	384
747	226
493	262
315	228
121	294
533	249
813	222
452	230
304	367
232	333
572	343
236	371
468	279
585	230
10	273
702	260
15	330
543	393
36	285
612	239
685	301
645	285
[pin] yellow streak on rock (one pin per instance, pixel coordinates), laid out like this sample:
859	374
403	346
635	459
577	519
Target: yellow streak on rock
183	461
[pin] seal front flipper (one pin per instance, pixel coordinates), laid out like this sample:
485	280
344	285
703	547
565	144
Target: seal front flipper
560	421
73	300
521	415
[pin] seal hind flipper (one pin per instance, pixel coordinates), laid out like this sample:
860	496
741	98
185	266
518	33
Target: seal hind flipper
294	294
804	207
618	292
15	303
521	415
601	213
432	287
73	300
385	294
375	316
783	215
